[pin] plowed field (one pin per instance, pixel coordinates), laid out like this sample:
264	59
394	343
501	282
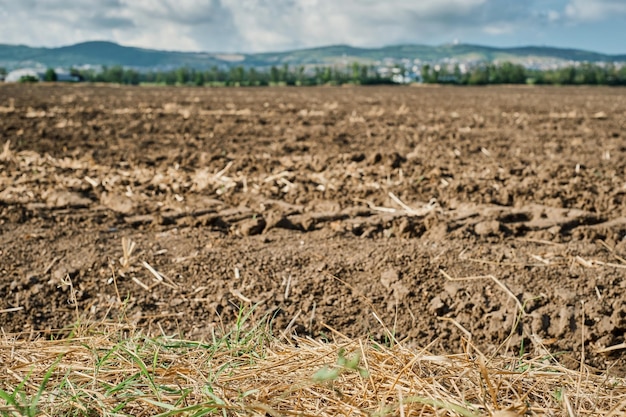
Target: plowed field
328	209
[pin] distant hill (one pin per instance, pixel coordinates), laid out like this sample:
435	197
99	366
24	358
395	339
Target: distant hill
109	53
101	53
343	53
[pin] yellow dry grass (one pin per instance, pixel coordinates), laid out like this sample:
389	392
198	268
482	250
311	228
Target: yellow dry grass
114	370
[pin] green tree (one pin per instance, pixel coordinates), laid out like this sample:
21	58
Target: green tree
212	75
318	71
237	75
600	74
183	76
300	76
621	75
566	76
114	74
591	74
364	76
442	75
50	75
284	74
479	76
511	74
28	79
338	76
199	79
356	73
327	75
253	77
131	77
456	72
610	74
88	75
149	77
274	75
76	73
171	77
426	75
493	75
159	78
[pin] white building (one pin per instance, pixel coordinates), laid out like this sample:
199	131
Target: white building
16	75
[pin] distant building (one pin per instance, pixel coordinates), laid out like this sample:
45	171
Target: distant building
66	77
17	75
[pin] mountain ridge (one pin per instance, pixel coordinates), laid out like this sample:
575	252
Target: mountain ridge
100	53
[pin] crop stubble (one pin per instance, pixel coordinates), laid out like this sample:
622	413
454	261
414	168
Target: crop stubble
323	207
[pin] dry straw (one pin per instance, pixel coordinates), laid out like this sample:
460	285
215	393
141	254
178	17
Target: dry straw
112	370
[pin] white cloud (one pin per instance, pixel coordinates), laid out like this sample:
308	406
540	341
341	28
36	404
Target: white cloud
283	24
179	25
553	16
262	25
589	10
161	24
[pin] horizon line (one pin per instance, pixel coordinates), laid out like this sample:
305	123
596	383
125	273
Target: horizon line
321	47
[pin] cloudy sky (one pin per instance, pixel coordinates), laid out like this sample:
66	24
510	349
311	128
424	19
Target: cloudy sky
271	25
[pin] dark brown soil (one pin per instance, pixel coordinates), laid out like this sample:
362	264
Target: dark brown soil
321	207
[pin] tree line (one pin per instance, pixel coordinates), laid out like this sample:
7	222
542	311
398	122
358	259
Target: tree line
508	73
238	76
482	74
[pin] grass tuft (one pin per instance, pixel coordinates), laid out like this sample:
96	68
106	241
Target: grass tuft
114	370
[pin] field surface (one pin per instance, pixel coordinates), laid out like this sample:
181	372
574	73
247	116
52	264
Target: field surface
495	216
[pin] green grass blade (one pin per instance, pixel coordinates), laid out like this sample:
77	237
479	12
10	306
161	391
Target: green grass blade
144	371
